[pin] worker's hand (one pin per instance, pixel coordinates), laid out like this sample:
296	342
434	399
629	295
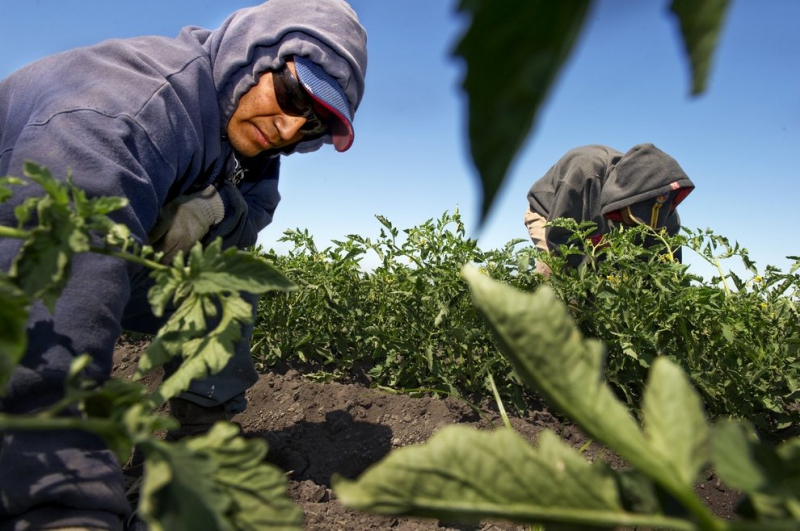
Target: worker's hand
184	221
231	228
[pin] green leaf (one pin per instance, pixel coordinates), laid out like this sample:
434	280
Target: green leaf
734	448
178	492
213	270
468	475
42	266
204	351
674	421
769	476
13	323
215	482
207	290
5	190
513	53
701	22
537	334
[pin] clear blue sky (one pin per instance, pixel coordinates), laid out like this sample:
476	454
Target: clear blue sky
626	82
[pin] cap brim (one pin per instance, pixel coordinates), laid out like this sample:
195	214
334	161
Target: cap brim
342	132
330	101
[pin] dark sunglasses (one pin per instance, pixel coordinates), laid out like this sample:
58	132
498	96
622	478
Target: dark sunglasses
295	101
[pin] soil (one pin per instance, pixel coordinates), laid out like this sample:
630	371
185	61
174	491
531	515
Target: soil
317	429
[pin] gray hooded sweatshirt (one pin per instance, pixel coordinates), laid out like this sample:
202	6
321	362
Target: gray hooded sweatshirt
592	183
141	118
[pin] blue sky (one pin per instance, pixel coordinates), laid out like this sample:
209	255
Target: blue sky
626	82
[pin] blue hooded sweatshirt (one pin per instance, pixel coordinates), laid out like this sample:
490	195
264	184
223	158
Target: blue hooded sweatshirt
144	119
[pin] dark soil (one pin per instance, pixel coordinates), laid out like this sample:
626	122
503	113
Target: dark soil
317	429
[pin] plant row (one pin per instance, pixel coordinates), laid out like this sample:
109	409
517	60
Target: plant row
407	323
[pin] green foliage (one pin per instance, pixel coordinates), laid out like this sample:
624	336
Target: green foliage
217	481
466	475
739	346
66	222
408	322
205	291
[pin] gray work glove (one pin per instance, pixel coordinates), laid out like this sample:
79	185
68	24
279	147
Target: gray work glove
183	222
232	227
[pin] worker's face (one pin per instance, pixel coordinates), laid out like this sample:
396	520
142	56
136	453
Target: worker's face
259	123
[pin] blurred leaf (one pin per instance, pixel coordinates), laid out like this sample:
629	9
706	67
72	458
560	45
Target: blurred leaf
701	23
513	52
769	476
42	266
674	423
13	324
216	482
537	334
5	190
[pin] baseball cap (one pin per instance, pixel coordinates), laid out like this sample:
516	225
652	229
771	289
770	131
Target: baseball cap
330	99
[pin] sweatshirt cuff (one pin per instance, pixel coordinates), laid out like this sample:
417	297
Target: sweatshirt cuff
213	205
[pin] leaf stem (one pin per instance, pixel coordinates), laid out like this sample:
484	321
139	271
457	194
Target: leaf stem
128	257
499	401
42	423
722	276
9	232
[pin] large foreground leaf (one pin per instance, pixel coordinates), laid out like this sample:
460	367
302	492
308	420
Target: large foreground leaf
701	23
513	51
769	476
674	423
464	474
537	334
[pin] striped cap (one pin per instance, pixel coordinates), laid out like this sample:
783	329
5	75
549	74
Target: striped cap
330	101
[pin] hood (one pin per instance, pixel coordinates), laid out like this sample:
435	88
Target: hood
644	173
260	38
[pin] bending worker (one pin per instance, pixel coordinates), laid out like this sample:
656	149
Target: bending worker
597	183
191	131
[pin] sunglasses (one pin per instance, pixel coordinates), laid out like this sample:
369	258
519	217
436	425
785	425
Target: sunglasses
295	101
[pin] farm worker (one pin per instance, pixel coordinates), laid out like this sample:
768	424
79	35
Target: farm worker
613	189
191	131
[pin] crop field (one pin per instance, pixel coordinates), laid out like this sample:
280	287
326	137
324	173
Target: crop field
410	324
448	387
671	380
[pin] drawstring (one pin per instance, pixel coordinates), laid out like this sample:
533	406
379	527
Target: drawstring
217	173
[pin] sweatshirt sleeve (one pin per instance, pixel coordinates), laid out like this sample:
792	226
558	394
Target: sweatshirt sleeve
105	157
